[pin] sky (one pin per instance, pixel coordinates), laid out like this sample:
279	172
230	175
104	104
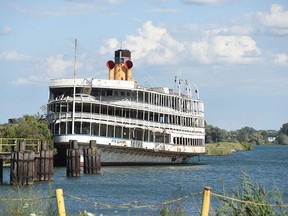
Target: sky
234	51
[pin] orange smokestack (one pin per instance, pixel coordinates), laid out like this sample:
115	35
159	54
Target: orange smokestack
110	65
128	66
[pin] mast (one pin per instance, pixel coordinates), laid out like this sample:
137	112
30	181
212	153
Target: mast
74	88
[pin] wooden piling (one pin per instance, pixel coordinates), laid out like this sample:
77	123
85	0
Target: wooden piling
73	160
44	163
92	159
22	168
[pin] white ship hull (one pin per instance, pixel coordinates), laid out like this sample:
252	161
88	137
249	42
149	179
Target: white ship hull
120	152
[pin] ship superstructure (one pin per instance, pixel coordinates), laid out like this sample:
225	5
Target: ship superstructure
131	124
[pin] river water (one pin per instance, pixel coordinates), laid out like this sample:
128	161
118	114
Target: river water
144	185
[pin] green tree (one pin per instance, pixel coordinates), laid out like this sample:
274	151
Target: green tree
29	126
214	134
281	139
284	129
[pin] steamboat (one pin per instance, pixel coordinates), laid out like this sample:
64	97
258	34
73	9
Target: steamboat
130	123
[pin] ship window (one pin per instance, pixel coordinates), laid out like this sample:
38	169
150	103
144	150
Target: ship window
166	138
118	112
77	127
151	136
57	107
95	108
77	107
161	118
69	127
63	107
145	135
156	117
138	134
109	92
86	108
140	114
146	97
126	133
62	128
56	128
85	128
95	129
146	116
104	110
102	130
151	116
118	132
140	96
95	92
110	131
111	111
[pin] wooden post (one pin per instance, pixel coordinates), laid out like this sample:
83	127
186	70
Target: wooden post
44	163
73	160
92	162
22	168
206	201
60	202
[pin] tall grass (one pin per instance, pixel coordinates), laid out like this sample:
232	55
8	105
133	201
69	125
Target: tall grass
254	193
25	201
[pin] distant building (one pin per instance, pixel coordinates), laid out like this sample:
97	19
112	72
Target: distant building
271	139
13	121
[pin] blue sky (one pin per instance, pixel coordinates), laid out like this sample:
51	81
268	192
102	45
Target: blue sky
235	51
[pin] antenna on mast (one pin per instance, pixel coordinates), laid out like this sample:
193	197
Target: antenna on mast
74	87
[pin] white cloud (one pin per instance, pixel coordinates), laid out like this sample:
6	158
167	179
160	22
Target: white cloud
115	1
109	44
281	59
151	44
42	70
206	2
5	30
164	10
276	20
154	45
59	10
13	55
56	67
235	49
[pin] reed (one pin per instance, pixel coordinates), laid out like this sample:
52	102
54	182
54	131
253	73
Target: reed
226	148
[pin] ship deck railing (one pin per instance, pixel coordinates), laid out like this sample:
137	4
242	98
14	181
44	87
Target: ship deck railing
116	120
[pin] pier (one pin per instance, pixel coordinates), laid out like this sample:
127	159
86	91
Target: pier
32	160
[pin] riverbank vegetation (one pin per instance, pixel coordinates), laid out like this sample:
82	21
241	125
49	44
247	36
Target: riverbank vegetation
28	126
226	148
247	134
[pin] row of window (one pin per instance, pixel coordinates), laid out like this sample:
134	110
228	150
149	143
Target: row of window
153	98
120	132
127	113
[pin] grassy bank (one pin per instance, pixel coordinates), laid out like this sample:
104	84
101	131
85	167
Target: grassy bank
226	148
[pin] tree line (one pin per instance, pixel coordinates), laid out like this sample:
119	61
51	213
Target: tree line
36	126
247	134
